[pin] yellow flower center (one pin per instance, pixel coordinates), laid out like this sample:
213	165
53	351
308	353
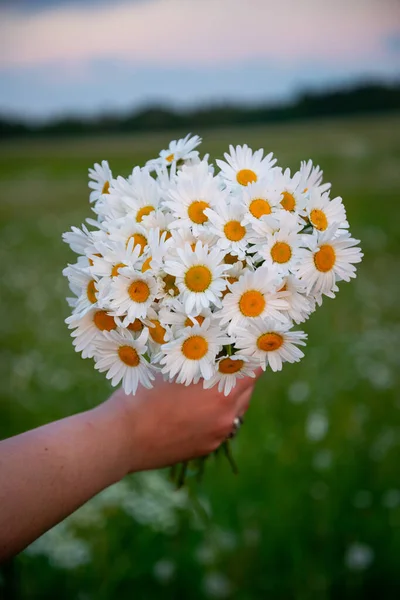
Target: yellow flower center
91	291
136	326
288	202
143	212
157	332
138	240
281	252
318	219
169	281
234	231
103	321
325	258
195	347
129	356
146	264
196	212
199	319
116	268
139	291
170	158
252	303
229	366
198	278
259	207
106	188
269	342
246	176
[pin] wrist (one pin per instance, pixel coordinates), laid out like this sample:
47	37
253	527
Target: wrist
113	420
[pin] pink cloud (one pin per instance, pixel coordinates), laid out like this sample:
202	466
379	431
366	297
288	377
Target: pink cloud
200	32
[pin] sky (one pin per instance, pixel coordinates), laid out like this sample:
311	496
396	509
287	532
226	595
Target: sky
62	57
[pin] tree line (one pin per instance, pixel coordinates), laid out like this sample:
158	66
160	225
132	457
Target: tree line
361	99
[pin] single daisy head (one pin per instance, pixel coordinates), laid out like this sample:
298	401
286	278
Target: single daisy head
178	153
88	329
254	296
100	178
199	276
242	166
228	369
194	190
122	357
193	353
132	293
328	259
322	212
271	342
226	222
260	200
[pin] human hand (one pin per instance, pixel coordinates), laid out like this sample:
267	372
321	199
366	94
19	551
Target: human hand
172	423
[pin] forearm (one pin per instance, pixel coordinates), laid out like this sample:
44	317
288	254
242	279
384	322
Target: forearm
47	473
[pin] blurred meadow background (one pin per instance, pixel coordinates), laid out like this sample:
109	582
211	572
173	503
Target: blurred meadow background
315	509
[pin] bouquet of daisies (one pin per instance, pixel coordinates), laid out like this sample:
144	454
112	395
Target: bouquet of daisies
202	271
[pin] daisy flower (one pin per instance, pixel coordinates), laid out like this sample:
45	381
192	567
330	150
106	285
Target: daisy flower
271	343
79	240
254	295
100	179
260	199
110	256
195	190
281	248
121	356
199	276
226	223
178	152
329	260
193	353
88	329
323	212
144	195
311	177
291	191
84	285
228	369
132	293
125	230
242	167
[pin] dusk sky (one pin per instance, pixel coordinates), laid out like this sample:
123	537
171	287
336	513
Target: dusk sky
88	56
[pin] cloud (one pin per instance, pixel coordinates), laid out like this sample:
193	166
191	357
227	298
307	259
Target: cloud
200	32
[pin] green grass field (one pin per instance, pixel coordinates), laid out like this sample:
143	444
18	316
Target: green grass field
315	510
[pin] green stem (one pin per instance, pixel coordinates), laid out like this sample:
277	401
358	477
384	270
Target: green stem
228	453
182	475
173	472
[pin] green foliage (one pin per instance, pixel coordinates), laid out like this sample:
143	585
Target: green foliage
315	509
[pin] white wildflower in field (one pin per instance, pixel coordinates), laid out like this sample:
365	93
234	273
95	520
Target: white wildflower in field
202	271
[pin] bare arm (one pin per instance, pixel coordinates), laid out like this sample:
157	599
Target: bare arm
47	473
